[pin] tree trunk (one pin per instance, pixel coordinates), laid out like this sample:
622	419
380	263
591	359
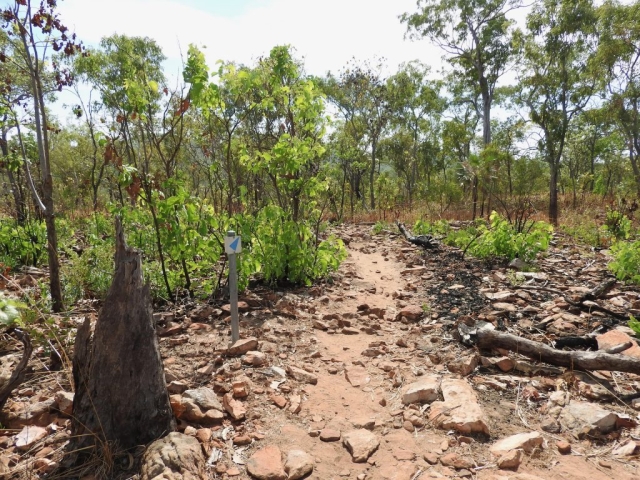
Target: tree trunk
372	174
52	245
121	399
553	192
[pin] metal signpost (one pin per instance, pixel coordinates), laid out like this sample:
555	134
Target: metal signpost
233	245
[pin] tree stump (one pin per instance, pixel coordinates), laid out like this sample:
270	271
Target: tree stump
121	400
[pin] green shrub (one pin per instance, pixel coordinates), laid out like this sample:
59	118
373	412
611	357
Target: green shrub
89	275
284	250
379	227
500	239
626	261
22	244
617	225
437	228
9	310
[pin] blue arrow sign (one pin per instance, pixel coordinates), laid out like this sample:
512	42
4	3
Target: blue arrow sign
234	244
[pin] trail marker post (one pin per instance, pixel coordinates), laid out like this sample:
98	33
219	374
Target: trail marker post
232	246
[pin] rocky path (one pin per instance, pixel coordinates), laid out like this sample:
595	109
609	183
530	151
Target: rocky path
361	378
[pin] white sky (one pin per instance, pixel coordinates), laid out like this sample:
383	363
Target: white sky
326	33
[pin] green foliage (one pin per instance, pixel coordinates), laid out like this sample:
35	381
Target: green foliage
379	227
617	224
22	244
634	325
626	261
500	239
437	228
9	310
291	251
90	274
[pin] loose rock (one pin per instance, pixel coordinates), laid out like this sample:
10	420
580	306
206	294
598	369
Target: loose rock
174	457
298	464
361	444
266	464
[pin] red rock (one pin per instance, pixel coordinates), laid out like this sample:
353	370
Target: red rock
411	312
243	346
563	447
616	337
279	401
460	410
510	460
456	461
329	435
234	407
266	464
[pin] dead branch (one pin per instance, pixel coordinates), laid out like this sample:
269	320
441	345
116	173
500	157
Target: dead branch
424	241
17	376
483	335
585	302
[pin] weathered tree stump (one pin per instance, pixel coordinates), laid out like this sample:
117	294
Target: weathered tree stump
121	400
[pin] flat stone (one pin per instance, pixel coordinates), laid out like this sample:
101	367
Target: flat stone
361	444
456	461
254	358
400	454
298	465
350	331
204	397
266	464
510	460
363	422
503	363
234	407
64	401
295	404
426	389
460	410
578	415
501	295
616	337
279	401
320	325
302	375
465	365
525	441
29	436
177	386
243	346
356	375
401	471
505	307
410	312
431	458
329	435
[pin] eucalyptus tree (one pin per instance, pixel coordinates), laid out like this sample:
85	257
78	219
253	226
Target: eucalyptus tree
476	36
558	81
361	95
416	107
36	34
619	54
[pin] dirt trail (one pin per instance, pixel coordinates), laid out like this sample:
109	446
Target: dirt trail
372	274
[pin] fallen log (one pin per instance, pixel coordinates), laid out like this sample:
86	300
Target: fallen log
424	241
483	335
